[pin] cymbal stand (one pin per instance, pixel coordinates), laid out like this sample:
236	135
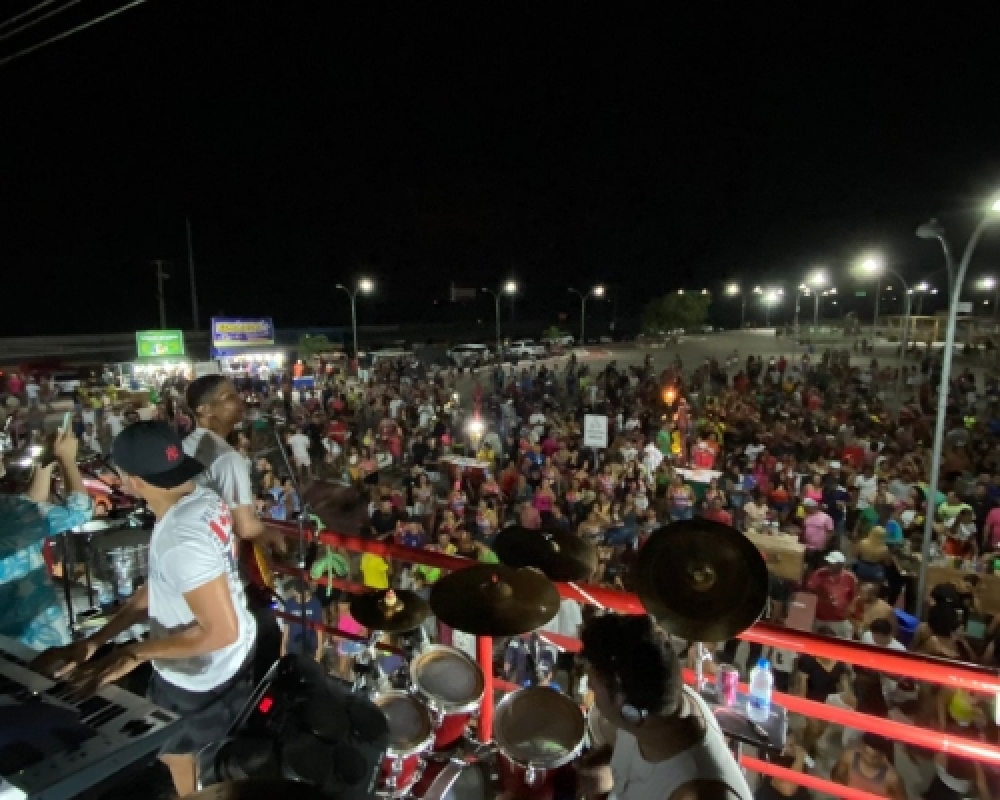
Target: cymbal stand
368	673
303	513
701	655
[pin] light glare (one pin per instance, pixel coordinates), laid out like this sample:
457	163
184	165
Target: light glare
366	285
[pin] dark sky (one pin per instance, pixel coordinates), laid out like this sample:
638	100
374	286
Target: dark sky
429	143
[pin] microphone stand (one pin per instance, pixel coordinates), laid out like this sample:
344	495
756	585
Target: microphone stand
303	513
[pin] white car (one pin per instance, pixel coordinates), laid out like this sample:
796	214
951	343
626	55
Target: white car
562	340
526	348
469	355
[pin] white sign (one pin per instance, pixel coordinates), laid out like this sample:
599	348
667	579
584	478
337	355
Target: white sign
595	430
964	308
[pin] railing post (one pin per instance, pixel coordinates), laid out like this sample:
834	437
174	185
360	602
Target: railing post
484	654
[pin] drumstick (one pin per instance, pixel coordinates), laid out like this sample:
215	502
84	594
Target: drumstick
586	596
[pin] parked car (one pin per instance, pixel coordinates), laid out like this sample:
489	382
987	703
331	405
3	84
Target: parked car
469	355
526	348
563	340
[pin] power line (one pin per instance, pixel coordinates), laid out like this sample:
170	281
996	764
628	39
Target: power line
65	34
27	13
35	21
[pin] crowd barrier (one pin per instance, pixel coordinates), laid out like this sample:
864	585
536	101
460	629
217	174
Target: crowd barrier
952	674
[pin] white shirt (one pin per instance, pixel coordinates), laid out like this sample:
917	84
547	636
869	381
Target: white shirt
394	405
189	547
226	472
32	390
426	413
115	422
299	443
709	760
866	490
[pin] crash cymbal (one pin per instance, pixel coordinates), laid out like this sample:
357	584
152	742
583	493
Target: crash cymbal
703	581
494	600
389	610
561	555
259	790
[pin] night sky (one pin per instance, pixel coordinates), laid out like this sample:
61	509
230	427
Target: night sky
425	143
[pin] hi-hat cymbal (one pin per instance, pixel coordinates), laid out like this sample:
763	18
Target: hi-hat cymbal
389	610
494	600
561	555
703	581
259	790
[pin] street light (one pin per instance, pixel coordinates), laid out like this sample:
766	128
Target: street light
956	276
597	291
510	287
366	286
732	290
990	283
873	266
769	298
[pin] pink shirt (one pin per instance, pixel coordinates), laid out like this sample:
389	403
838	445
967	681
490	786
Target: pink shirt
814	530
992	527
348	624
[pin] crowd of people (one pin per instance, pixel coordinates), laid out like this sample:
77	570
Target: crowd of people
802	449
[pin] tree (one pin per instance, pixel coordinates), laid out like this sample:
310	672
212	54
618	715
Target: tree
552	332
675	310
309	346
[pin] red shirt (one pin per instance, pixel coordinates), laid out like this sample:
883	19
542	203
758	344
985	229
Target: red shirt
835	593
853	455
702	457
719	515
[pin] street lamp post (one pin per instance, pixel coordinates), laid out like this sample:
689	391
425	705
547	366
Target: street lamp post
597	291
734	289
510	287
988	283
769	298
364	285
873	265
934	230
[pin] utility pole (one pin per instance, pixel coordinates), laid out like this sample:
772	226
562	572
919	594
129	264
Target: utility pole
194	286
161	276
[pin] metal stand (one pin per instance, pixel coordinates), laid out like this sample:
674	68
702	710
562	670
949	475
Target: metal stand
368	674
303	514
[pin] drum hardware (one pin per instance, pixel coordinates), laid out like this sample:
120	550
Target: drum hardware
450	685
390	611
369	677
560	555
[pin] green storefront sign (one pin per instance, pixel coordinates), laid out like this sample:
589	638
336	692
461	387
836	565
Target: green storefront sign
159	344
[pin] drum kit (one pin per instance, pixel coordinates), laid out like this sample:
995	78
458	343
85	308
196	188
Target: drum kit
702	581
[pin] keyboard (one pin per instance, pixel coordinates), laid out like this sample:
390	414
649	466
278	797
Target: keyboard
52	747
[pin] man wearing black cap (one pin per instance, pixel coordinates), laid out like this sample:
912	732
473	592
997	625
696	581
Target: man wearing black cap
201	634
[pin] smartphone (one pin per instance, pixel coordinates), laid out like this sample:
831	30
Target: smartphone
67	421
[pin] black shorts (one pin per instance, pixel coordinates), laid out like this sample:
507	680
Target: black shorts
205	717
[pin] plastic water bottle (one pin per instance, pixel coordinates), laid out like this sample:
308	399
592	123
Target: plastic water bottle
761	685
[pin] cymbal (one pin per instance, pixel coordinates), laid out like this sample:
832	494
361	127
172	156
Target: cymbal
259	790
494	600
561	555
703	581
389	610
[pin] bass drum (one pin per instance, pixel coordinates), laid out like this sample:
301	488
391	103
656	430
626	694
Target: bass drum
446	780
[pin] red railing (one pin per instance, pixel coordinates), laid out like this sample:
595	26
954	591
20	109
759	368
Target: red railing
947	673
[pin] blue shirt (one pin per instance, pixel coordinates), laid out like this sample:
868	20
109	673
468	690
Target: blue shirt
297	643
30	610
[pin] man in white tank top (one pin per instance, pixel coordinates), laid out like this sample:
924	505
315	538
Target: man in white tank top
668	745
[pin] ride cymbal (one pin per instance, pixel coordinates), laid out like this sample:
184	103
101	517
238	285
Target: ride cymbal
389	610
259	790
702	581
494	600
561	555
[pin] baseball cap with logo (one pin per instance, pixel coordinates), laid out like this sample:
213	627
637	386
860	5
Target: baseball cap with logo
152	451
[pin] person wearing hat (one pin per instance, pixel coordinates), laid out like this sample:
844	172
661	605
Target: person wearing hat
201	634
836	589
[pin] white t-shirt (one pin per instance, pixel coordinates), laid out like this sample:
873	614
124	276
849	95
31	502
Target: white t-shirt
115	423
32	389
866	490
426	412
394	405
299	443
189	547
226	472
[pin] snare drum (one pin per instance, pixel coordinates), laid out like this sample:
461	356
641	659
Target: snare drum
451	685
539	732
410	736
